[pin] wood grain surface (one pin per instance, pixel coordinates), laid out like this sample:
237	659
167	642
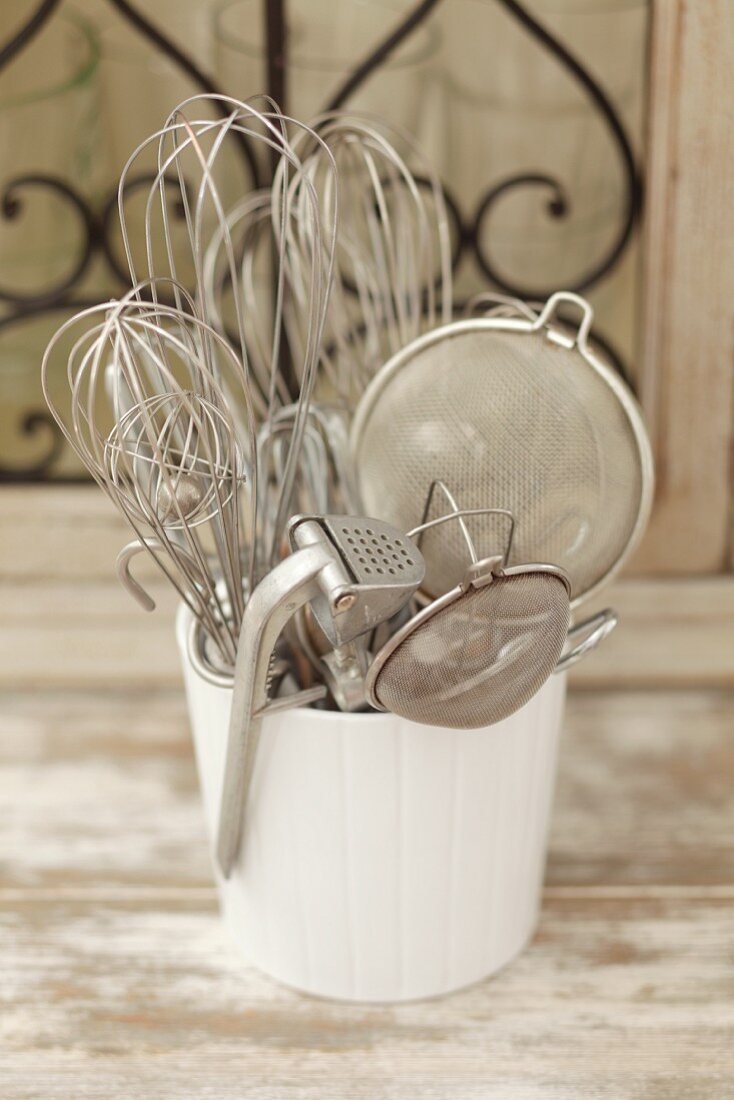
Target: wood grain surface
59	594
688	319
116	979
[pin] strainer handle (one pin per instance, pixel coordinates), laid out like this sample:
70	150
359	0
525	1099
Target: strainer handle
592	632
550	307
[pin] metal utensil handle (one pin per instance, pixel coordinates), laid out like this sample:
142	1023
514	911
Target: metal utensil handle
593	630
225	678
272	604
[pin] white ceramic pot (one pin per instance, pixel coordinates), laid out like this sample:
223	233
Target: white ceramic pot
383	860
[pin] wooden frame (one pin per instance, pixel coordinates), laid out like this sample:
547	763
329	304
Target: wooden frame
688	317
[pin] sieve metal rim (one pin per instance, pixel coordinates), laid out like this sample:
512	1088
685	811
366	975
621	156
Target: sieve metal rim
440	604
523	327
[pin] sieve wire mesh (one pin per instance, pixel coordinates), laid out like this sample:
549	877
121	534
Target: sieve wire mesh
479	659
508	421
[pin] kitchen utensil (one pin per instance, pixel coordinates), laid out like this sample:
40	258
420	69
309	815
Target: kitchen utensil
126	579
477	654
392	271
236	249
146	411
331	472
356	572
586	636
349	675
518	413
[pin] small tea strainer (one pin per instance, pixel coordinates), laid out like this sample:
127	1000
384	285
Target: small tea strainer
481	651
517	411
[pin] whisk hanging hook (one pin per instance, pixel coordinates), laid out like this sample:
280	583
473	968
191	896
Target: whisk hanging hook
133	586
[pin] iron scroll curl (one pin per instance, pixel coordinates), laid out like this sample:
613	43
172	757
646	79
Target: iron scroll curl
471	232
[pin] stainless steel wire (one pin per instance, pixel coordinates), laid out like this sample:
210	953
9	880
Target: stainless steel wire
145	410
475	656
237	253
392	264
516	413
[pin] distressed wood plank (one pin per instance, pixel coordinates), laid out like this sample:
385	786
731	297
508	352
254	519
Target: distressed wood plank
688	319
645	791
58	595
613	1000
64	634
671	634
72	532
86	635
80	772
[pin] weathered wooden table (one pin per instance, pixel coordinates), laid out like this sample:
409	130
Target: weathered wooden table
116	981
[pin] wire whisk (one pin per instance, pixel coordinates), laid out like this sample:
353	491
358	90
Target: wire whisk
392	263
237	254
146	411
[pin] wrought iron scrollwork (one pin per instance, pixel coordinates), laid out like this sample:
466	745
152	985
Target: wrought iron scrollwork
12	206
381	53
559	204
95	228
43	424
198	77
470	234
28	31
38	424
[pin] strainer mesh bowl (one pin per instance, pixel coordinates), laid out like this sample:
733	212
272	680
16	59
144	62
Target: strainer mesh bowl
508	421
481	657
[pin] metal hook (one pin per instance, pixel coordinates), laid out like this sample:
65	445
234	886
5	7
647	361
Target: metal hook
550	307
153	546
593	631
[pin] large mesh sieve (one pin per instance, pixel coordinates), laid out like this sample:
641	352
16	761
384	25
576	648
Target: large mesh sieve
514	420
475	658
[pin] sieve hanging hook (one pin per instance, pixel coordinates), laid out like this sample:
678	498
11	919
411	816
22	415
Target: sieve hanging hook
551	306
